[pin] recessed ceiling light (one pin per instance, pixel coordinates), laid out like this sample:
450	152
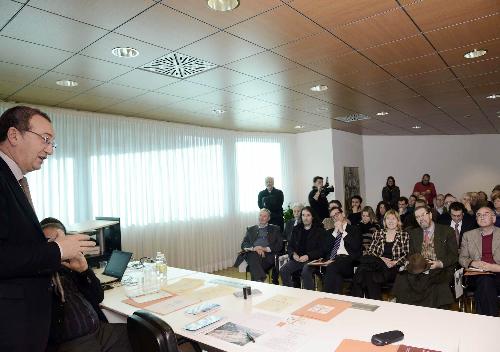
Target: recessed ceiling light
323	108
125	52
475	53
466	116
319	88
223	5
416	127
218	111
299	127
493	96
382	113
67	83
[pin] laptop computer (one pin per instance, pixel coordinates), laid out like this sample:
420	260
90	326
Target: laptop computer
114	270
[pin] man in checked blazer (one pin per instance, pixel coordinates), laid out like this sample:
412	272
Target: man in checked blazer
481	250
260	244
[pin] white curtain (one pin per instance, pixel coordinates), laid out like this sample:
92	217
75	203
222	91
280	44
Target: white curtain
187	191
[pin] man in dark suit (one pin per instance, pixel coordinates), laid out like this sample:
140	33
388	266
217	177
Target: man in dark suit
27	261
457	218
259	247
438	245
272	199
343	248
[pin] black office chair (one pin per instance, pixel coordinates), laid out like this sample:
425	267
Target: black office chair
149	333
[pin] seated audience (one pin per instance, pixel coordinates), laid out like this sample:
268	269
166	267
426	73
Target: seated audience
290	224
390	193
480	250
410	221
259	247
382	207
343	248
354	216
467	202
496	204
367	226
459	221
482	199
448	199
437	245
425	188
78	324
474	201
439	206
411	203
334	204
381	263
403	208
306	244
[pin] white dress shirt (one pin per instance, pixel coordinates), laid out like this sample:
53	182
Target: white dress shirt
342	249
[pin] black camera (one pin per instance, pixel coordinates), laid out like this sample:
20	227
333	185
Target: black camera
326	189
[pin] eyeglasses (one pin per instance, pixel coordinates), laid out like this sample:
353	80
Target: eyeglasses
421	216
484	215
46	140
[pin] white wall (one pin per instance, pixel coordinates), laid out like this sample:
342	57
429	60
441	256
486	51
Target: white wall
313	157
456	163
347	151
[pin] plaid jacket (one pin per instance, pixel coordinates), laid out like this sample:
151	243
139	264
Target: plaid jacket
400	248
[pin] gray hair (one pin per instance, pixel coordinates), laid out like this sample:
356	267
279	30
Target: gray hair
297	205
264	210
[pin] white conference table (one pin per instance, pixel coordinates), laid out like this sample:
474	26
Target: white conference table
434	329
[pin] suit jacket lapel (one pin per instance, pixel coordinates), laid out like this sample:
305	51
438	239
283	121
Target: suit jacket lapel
20	196
496	241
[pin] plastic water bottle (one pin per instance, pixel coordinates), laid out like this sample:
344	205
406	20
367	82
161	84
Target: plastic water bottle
161	266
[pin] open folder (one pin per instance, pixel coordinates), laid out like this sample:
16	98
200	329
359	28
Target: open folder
324	309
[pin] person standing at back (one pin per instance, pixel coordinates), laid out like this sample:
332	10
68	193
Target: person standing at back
391	193
27	260
272	199
425	188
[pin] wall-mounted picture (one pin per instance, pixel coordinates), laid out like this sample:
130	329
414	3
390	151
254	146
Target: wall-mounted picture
351	184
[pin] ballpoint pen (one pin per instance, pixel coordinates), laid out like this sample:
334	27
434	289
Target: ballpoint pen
250	337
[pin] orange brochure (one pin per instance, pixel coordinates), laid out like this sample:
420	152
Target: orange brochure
324	309
363	346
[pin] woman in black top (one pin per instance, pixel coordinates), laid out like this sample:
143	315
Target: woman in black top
381	264
306	244
391	193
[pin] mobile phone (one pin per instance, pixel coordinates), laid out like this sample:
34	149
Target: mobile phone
388	337
202	308
200	324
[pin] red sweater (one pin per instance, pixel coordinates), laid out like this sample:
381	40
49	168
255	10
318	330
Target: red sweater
420	188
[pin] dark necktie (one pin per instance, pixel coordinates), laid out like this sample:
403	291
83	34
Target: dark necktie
426	236
26	189
457	233
336	246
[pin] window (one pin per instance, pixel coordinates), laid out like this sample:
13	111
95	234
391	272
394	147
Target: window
159	186
255	161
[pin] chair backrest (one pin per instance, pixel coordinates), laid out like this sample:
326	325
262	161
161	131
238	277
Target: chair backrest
149	333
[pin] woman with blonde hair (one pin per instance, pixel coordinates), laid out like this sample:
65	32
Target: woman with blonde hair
381	263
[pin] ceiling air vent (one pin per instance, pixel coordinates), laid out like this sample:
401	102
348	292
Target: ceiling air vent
352	118
178	65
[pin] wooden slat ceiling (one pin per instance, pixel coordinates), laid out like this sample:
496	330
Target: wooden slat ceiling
403	57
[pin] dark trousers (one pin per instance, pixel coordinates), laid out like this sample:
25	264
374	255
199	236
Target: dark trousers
335	273
486	294
288	269
259	266
369	283
107	338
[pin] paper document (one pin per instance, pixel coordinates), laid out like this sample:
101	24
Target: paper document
171	305
234	333
363	346
184	285
323	309
148	300
277	304
212	292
